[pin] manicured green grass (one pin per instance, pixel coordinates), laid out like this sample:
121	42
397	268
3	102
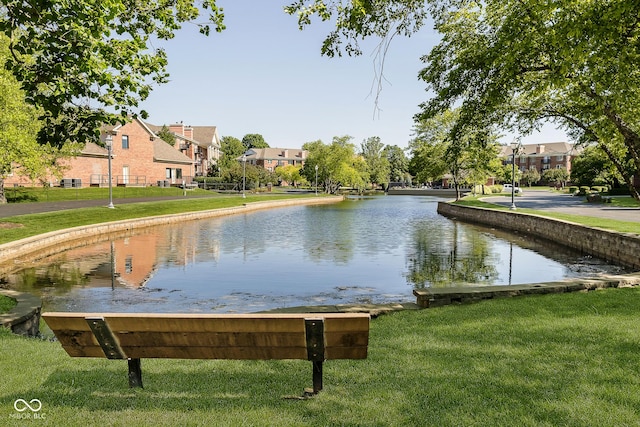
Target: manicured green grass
610	224
56	194
34	224
563	359
6	304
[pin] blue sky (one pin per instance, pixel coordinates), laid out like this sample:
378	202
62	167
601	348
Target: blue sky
263	75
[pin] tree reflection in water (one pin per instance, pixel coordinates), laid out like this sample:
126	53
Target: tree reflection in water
440	256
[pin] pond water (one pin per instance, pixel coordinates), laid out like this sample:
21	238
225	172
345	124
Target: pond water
362	250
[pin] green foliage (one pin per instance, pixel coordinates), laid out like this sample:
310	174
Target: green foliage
231	148
338	165
556	176
166	135
442	146
398	162
19	151
254	140
531	176
6	304
593	166
377	163
88	62
515	63
290	174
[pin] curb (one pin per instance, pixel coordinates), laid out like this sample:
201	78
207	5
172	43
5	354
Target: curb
427	298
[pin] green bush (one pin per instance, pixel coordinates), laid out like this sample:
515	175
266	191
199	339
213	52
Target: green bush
573	190
584	190
599	189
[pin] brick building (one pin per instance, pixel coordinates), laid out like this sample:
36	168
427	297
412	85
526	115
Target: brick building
271	158
553	155
200	143
139	157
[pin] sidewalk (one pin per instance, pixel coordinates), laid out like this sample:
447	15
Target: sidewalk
565	203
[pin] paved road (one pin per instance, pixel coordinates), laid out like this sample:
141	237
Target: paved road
556	202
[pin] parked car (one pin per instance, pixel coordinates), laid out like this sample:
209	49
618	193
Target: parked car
506	188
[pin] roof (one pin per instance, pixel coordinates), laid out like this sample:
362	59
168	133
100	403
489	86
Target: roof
92	149
543	149
203	136
163	152
276	154
208	134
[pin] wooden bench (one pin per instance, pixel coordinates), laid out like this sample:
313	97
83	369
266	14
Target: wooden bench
307	336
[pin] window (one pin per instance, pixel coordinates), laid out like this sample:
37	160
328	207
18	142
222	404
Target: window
168	173
125	142
559	158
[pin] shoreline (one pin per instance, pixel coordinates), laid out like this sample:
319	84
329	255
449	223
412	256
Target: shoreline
13	254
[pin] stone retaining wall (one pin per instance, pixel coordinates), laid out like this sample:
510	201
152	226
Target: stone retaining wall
24	318
617	248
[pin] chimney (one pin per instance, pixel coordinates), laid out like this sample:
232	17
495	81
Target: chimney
540	149
177	128
188	132
285	153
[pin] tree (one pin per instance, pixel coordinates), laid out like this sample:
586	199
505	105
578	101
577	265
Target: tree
398	162
338	164
18	127
531	176
289	174
254	140
557	176
86	63
593	167
166	135
376	161
515	63
231	148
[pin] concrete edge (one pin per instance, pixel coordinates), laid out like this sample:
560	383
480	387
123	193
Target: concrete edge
9	252
24	318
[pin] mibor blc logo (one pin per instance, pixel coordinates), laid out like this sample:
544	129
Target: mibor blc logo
27	410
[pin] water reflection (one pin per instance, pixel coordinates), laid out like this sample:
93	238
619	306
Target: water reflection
358	251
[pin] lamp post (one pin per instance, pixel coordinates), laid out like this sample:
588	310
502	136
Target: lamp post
244	168
109	142
316	179
514	148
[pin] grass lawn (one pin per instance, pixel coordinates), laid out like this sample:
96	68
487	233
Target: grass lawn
6	304
610	224
19	227
56	194
563	359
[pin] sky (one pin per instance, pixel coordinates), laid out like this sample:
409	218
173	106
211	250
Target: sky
263	75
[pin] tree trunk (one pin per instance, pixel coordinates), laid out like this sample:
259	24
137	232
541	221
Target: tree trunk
3	197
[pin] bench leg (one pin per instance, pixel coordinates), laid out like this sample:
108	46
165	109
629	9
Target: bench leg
135	373
317	376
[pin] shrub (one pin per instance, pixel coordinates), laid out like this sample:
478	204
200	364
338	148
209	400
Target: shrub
584	190
573	190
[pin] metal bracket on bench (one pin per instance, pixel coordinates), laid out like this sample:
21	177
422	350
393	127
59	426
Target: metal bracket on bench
314	329
105	338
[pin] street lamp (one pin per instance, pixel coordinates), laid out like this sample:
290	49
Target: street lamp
244	169
514	148
316	179
109	142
